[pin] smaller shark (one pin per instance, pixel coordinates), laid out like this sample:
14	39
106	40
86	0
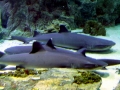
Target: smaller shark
41	58
70	40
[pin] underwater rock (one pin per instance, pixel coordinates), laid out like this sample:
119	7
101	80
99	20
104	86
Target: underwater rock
86	77
62	79
21	33
55	26
53	79
39	14
118	86
117	21
94	28
5	14
17	83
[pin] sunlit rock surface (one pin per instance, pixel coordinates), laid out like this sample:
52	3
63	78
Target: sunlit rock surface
53	79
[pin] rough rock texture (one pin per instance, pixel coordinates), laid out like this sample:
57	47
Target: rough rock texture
53	79
29	15
95	28
118	86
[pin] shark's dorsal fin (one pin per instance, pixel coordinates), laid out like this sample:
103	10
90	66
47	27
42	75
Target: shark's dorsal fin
63	29
50	44
36	33
82	51
36	47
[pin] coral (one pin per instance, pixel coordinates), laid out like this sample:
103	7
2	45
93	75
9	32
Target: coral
95	28
86	77
39	14
54	26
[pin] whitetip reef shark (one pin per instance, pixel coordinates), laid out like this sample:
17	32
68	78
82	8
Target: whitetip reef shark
41	58
66	39
50	47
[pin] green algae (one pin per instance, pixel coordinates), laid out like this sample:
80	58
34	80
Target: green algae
94	28
86	77
22	72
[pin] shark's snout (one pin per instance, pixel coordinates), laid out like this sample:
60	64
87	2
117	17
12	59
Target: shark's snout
100	47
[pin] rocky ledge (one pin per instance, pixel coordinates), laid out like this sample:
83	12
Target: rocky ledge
52	79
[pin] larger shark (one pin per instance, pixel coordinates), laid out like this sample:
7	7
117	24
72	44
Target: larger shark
50	47
41	58
67	39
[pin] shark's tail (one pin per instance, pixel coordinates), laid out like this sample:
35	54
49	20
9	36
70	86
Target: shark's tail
110	61
19	38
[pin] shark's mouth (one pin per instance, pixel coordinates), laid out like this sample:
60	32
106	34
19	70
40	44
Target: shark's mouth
92	66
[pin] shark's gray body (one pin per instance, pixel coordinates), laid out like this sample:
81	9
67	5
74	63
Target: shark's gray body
50	47
71	40
48	59
18	49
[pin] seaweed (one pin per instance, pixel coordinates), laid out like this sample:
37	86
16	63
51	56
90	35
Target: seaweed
86	77
21	72
95	28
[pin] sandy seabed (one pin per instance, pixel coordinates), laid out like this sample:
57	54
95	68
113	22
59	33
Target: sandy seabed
113	33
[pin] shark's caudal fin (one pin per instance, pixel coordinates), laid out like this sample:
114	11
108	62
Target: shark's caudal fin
110	61
37	46
20	38
63	29
50	44
1	54
82	51
36	33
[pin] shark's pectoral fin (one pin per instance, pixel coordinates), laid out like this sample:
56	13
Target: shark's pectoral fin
37	46
63	29
82	51
50	44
